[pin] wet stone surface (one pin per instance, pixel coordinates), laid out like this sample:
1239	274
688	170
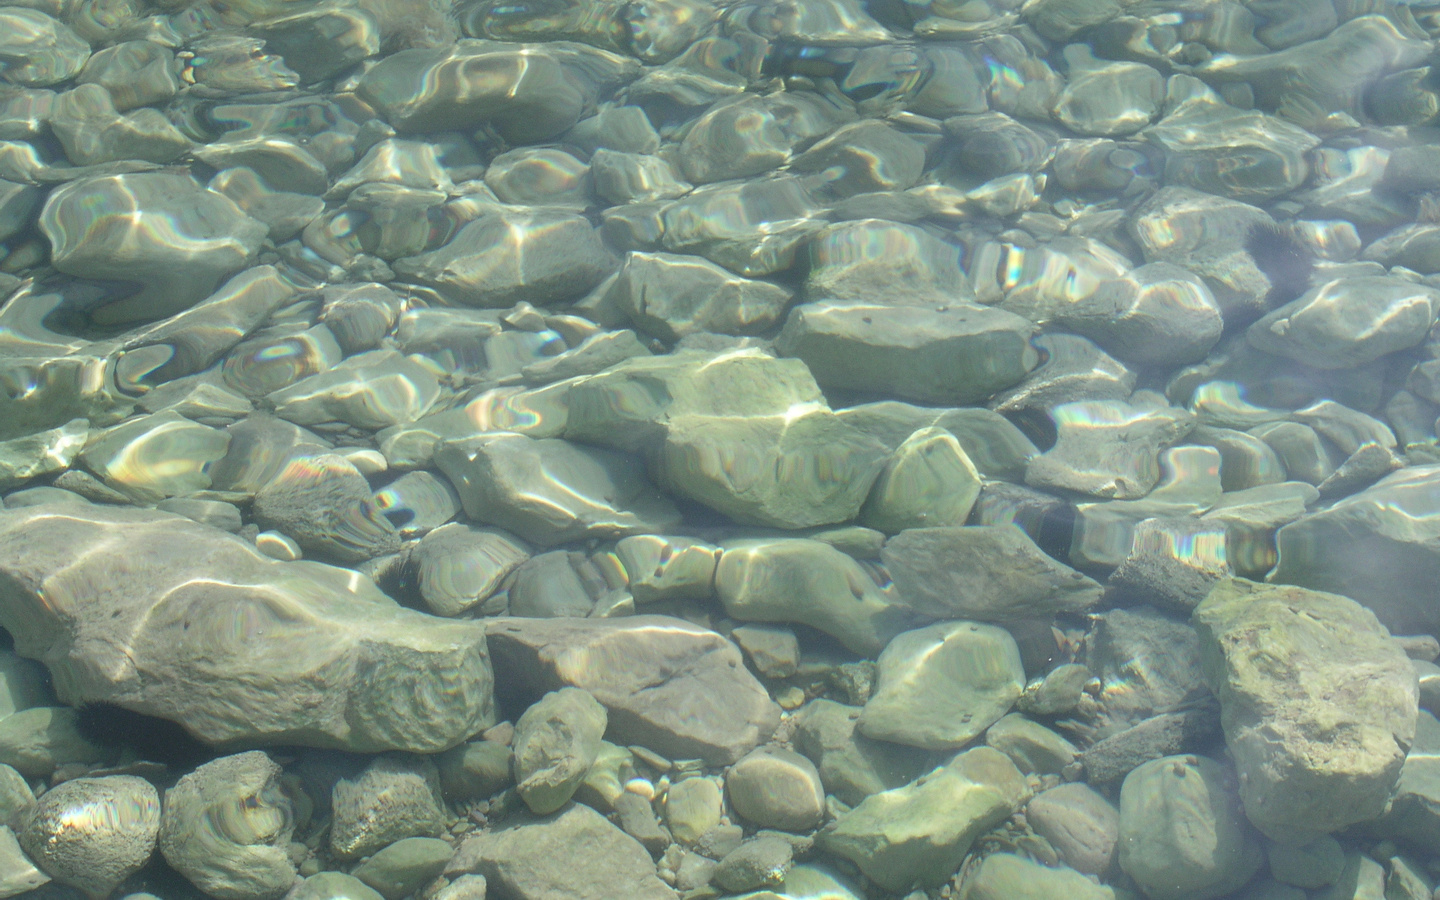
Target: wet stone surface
719	449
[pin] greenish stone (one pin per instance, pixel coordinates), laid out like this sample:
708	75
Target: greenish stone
1313	865
1183	835
776	788
474	771
34	741
1006	876
963	354
42	453
556	742
996	447
667	567
851	765
928	481
1035	749
919	834
797	469
993	573
1289	664
811	583
15	793
693	807
156	456
628	405
333	886
942	685
405	866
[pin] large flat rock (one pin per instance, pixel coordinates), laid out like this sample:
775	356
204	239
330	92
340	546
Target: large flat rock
1317	702
674	687
167	617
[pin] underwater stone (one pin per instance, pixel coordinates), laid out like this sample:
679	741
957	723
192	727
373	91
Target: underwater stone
92	833
226	826
1287	664
343	665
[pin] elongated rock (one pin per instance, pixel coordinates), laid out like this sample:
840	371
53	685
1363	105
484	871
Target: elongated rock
674	687
171	618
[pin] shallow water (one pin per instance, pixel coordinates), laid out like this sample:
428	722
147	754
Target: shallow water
683	448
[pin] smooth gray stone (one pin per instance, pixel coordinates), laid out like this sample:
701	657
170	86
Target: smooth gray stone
636	817
333	886
810	583
199	841
474	771
1108	98
1075	369
753	228
942	685
360	315
163	230
670	296
92	833
760	862
797	469
464	887
1348	322
1008	876
276	358
862	157
996	447
550	491
1245	460
15	793
774	650
1193	730
1058	20
914	269
540	176
285	214
1242	154
667	567
459	566
623	178
920	833
1415	247
1108	449
1414	814
37	740
776	788
510	254
1303	79
1182	829
344	666
370	390
405	866
1040	283
42	50
738	137
692	807
929	480
594	354
261	447
851	765
629	406
1155	314
1080	823
1207	235
558	583
17	873
1374	546
573	855
215	513
42	453
964	354
1313	865
326	506
667	685
1060	691
92	131
1251	517
1035	749
418	503
993	573
1338	661
556	741
395	797
149	458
